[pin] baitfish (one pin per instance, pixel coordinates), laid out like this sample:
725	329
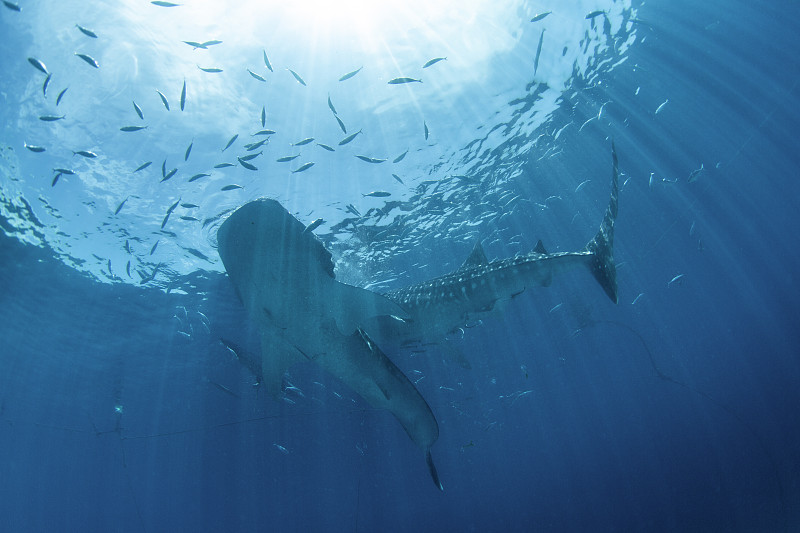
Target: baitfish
370	159
89	59
183	96
540	16
32	148
433	61
398	81
266	61
38	64
143	166
400	157
350	75
297	77
52	118
349	138
138	110
231	187
61	95
257	76
377	194
210	69
87	32
305	141
163	99
303	167
233	139
132	128
198	176
287	158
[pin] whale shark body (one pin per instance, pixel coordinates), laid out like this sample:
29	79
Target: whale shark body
285	278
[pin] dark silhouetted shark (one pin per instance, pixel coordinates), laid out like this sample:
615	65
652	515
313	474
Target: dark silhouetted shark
284	276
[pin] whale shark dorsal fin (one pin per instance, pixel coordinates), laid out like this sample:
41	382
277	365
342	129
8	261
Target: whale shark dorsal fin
476	258
539	248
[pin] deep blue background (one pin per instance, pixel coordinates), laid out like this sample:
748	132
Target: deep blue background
600	443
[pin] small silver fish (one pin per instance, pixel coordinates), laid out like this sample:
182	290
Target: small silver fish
297	77
395	176
257	76
582	185
349	138
224	165
188	151
196	45
350	75
85	153
119	208
46	83
169	174
233	139
231	187
32	148
676	279
326	147
198	176
143	166
303	167
370	159
659	108
266	61
163	99
138	110
12	6
86	31
377	194
89	59
61	95
400	157
132	128
398	81
287	158
695	174
330	104
210	69
183	95
246	165
263	116
304	141
433	61
341	124
314	225
540	16
425	125
38	64
52	118
160	3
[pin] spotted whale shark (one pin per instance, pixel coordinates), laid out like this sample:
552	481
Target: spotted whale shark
440	306
285	278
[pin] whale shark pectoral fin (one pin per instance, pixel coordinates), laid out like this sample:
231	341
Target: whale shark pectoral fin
276	357
432	469
352	307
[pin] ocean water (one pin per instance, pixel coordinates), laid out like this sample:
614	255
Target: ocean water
674	410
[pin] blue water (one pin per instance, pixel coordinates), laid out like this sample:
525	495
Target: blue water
675	410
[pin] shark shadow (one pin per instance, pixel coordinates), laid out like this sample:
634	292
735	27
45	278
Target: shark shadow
285	278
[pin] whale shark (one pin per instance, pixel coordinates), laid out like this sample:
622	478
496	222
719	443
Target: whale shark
285	278
438	307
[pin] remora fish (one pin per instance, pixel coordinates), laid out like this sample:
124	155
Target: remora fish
285	279
440	306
